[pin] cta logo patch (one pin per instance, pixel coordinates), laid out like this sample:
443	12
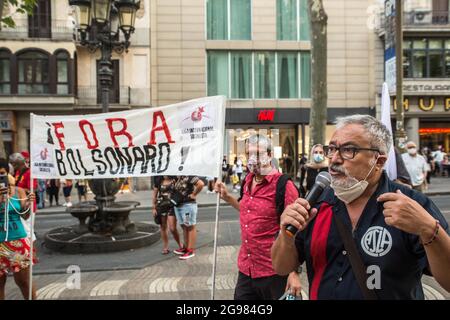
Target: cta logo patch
377	241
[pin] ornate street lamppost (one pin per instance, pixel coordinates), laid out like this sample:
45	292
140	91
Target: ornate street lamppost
99	24
108	18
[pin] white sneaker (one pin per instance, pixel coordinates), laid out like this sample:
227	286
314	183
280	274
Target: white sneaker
69	204
64	204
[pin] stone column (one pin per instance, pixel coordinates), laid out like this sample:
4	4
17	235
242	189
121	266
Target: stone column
412	130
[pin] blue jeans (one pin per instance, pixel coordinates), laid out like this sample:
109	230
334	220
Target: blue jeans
41	203
187	208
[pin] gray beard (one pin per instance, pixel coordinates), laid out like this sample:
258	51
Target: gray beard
346	182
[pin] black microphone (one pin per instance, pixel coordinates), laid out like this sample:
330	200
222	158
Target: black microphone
323	180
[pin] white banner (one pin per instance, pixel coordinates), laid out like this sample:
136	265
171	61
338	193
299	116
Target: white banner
179	139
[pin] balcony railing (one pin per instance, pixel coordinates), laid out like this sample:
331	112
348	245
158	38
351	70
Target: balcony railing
420	19
426	18
89	96
57	30
140	37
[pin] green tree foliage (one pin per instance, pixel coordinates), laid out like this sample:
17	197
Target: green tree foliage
20	6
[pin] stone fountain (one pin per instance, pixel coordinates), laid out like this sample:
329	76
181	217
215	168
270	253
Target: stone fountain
108	227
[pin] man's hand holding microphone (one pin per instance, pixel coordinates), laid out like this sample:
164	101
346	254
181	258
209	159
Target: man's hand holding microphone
297	215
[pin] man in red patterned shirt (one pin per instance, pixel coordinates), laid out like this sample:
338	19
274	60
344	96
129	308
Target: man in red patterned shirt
260	224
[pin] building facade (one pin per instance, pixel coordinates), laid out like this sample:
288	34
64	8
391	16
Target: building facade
426	72
257	53
44	71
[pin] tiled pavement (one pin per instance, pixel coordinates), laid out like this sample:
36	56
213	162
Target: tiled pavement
171	279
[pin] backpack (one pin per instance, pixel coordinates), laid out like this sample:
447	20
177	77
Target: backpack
280	192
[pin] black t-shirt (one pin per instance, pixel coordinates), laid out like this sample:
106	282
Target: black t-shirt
165	192
185	185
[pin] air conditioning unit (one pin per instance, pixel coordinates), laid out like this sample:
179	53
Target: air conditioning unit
422	16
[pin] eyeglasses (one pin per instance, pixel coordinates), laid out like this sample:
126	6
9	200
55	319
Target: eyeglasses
346	152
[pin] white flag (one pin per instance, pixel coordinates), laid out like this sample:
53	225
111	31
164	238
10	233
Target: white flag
181	139
391	163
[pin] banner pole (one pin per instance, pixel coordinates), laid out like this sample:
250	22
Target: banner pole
30	289
215	248
216	227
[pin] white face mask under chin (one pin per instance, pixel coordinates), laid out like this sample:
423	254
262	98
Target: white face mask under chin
348	195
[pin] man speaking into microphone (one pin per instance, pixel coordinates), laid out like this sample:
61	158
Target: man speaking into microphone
366	237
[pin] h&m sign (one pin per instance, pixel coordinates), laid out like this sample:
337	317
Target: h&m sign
266	115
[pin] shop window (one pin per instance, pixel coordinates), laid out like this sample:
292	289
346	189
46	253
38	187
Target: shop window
228	19
5	72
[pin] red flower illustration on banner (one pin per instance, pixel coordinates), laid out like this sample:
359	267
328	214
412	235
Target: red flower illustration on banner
197	114
44	154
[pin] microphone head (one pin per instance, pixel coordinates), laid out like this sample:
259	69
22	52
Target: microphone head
323	179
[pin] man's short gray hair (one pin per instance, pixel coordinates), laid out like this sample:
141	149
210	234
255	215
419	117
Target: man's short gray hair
378	135
16	157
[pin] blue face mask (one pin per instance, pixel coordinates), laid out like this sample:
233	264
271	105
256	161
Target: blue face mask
318	157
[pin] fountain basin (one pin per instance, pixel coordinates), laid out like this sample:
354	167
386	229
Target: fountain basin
69	240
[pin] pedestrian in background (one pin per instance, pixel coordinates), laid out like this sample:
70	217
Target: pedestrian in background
163	210
438	157
22	173
81	185
14	241
225	169
416	166
22	178
67	190
317	163
41	193
234	176
185	194
445	164
53	186
239	169
431	165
